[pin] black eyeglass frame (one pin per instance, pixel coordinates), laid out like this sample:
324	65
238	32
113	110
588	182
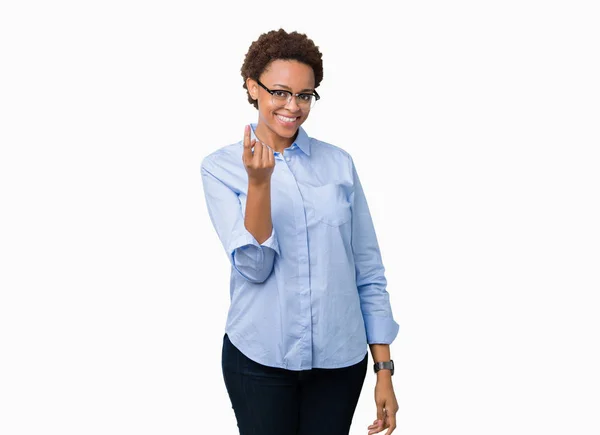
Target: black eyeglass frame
270	91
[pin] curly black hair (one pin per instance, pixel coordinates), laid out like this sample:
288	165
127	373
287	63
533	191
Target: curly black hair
278	44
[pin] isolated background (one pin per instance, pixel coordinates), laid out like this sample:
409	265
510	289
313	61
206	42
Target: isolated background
474	126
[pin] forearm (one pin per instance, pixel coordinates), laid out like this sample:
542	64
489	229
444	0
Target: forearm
381	352
257	219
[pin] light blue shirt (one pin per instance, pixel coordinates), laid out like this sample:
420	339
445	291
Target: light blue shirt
313	295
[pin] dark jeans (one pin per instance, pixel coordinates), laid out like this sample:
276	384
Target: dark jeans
275	401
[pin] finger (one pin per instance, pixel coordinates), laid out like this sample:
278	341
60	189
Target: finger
247	154
271	157
375	428
377	425
258	152
380	413
266	156
248	157
392	421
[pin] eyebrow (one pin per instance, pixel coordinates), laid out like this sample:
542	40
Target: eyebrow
287	87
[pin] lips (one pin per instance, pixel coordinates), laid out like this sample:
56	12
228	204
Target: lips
286	119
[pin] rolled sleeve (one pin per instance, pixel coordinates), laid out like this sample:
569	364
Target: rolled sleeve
251	260
380	326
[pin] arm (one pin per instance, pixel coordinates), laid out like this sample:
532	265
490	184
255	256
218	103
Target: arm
375	305
381	352
259	165
258	211
380	326
253	260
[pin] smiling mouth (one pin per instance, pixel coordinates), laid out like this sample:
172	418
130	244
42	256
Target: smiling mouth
286	118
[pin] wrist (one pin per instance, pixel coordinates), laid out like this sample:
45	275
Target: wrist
386	368
384	375
259	184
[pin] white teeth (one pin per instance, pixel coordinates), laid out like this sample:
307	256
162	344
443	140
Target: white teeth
284	119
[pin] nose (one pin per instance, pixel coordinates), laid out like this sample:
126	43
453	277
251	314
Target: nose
292	104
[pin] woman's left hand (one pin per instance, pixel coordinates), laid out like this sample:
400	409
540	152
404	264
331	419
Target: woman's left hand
387	407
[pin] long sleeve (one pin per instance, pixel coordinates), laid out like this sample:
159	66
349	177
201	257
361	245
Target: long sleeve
251	260
381	328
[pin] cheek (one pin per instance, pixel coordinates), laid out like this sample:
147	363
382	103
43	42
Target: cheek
265	106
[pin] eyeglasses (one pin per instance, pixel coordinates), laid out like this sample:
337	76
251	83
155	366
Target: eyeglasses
280	97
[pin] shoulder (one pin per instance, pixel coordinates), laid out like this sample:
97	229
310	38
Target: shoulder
326	149
332	162
225	158
332	157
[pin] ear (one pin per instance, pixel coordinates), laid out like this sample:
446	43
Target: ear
252	88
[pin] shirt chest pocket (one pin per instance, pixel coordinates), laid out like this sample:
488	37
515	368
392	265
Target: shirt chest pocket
329	204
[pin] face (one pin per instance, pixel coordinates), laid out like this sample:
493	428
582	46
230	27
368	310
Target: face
275	121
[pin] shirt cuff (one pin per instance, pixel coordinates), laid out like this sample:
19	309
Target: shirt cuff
244	239
380	330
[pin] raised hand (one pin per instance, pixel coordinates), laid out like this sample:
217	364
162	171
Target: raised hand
259	163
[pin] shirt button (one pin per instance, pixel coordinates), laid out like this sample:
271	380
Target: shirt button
287	159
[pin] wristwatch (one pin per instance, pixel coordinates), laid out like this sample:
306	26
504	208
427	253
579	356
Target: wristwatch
384	365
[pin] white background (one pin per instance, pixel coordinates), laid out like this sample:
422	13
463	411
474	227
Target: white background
474	127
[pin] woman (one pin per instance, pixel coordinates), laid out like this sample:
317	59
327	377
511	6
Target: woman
308	291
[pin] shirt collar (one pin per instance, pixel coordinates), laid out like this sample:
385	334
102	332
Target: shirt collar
302	139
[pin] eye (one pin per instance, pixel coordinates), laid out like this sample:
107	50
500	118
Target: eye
280	94
305	97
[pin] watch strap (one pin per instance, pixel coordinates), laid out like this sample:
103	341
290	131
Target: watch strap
384	365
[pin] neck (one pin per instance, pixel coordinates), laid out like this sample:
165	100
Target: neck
272	140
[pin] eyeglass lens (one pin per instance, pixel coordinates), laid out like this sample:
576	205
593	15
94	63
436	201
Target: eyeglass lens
304	100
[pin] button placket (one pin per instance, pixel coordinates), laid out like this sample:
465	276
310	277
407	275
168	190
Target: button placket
305	313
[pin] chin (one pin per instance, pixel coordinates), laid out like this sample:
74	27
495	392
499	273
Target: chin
286	132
